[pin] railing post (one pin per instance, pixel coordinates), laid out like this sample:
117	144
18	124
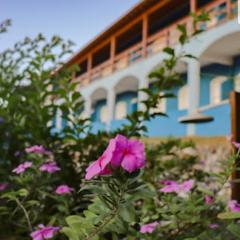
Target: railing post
229	9
112	52
144	35
89	67
193	6
235	121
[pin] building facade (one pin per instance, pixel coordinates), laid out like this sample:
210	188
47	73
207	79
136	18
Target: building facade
118	61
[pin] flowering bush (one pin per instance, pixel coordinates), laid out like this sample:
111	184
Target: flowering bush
35	195
74	187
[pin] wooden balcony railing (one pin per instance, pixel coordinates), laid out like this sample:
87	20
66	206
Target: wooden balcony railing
219	12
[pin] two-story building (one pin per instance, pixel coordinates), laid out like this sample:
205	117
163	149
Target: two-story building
115	64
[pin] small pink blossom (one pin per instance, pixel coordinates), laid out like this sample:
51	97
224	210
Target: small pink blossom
186	186
209	199
49	167
148	228
63	189
234	206
44	232
121	152
22	167
213	226
172	186
236	144
17	154
3	186
37	149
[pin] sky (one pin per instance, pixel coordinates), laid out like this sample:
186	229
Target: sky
77	20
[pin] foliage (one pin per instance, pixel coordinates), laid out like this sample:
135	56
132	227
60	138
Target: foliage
35	85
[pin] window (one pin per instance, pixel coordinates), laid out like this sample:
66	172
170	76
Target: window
161	107
134	101
216	89
104	114
183	98
121	110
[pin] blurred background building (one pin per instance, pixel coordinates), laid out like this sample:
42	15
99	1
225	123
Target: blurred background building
115	64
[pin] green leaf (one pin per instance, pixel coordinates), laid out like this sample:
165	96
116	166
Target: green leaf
229	215
127	212
169	51
235	230
22	192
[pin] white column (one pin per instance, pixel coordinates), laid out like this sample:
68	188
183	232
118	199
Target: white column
111	97
193	80
142	95
88	107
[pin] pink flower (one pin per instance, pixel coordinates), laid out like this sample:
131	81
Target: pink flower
234	206
49	167
213	226
209	199
3	186
148	228
236	144
63	189
186	186
121	152
22	167
44	232
172	186
37	149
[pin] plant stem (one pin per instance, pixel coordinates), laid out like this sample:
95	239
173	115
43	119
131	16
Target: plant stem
25	213
106	221
109	217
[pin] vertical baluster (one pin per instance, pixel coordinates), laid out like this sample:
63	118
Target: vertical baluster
229	9
89	67
113	51
144	35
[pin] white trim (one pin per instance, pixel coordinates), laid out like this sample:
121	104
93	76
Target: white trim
207	107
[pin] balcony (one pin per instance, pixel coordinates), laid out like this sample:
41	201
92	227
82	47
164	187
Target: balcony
120	56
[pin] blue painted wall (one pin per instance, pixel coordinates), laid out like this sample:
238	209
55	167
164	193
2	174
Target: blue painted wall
221	124
227	87
169	126
210	72
97	109
97	124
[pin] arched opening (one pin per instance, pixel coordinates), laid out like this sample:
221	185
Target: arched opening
169	104
99	111
126	97
219	69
